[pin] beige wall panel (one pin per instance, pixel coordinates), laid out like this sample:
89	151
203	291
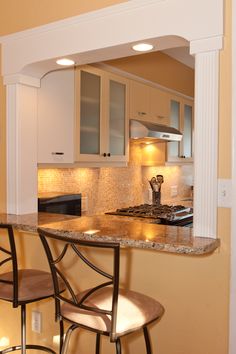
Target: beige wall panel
225	108
194	291
2	144
20	15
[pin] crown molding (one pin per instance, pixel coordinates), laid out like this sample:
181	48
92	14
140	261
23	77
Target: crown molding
22	79
206	45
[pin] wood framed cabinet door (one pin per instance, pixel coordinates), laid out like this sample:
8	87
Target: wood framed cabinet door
139	101
159	106
56	118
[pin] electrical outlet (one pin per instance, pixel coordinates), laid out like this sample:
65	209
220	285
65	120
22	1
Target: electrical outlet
36	321
173	191
224	193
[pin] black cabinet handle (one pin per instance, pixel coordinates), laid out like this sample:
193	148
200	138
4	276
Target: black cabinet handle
57	153
108	154
104	154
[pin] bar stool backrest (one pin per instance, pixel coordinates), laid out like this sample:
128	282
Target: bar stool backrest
8	255
60	273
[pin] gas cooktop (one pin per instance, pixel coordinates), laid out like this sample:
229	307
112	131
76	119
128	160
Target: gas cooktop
163	214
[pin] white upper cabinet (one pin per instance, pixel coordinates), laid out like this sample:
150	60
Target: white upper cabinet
139	100
181	118
159	105
56	118
83	118
148	103
102	116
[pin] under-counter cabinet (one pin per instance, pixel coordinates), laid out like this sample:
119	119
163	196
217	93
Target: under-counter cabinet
56	118
102	116
181	118
148	103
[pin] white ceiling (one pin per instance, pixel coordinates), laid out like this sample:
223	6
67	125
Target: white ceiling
181	54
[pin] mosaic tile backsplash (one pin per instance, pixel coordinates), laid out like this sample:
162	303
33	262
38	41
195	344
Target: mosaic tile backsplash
110	188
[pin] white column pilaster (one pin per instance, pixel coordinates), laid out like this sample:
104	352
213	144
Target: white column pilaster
206	143
21	149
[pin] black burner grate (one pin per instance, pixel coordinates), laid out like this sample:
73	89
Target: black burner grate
172	214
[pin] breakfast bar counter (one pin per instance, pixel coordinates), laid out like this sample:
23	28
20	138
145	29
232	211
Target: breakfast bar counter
129	232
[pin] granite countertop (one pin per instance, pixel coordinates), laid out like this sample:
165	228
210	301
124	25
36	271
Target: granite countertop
129	232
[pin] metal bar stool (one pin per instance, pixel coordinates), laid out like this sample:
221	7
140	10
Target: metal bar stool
21	286
104	309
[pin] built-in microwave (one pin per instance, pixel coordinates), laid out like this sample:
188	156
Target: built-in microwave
60	203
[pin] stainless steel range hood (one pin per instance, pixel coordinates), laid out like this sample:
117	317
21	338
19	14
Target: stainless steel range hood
143	131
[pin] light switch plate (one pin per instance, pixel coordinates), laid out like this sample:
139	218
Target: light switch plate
224	193
36	323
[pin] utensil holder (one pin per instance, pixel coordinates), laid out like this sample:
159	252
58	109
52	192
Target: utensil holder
156	198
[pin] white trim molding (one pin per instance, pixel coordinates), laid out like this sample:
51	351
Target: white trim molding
21	149
87	38
21	79
206	45
206	143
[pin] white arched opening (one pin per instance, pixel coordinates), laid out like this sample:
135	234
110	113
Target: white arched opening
98	36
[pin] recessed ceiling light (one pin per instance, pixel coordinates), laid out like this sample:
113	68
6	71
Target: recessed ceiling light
142	47
65	62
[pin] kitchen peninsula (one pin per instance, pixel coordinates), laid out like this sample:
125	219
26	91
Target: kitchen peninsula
129	232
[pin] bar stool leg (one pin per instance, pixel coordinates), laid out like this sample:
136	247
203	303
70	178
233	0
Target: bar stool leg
61	335
67	338
98	343
23	329
118	346
147	340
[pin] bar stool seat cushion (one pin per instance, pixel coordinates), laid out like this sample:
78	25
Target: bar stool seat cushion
33	285
134	311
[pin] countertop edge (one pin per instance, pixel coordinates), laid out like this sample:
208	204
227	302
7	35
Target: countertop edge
194	246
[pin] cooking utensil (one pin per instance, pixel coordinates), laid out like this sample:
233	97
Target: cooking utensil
159	181
154	185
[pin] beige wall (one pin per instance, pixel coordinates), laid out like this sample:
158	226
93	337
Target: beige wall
20	15
194	290
225	108
2	145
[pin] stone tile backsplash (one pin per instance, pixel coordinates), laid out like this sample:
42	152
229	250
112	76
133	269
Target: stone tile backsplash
111	188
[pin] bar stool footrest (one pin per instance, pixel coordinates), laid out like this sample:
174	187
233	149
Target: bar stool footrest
28	346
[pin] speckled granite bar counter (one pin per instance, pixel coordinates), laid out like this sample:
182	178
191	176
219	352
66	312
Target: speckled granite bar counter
127	231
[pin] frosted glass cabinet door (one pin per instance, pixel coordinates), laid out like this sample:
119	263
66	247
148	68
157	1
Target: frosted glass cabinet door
181	118
117	94
188	129
173	147
90	90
